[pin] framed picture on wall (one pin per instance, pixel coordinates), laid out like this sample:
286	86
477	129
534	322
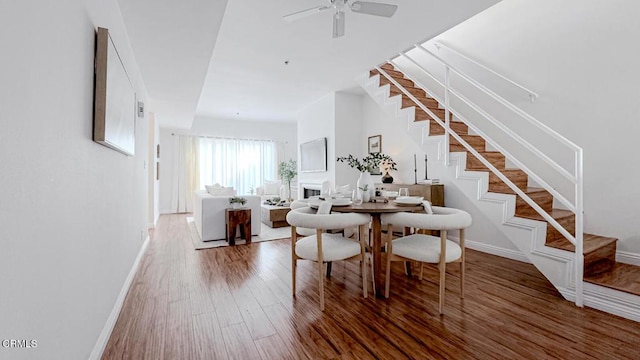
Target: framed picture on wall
375	146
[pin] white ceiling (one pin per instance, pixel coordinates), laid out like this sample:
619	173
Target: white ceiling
246	78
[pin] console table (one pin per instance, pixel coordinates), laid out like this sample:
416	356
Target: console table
432	192
234	218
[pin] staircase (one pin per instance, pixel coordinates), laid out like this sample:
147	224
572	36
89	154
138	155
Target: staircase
554	255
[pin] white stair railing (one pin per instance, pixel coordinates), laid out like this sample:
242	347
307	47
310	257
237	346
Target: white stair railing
576	206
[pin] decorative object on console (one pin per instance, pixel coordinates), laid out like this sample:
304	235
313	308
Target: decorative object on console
426	173
237	202
415	170
386	166
288	171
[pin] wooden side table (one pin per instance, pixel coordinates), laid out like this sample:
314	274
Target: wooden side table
234	218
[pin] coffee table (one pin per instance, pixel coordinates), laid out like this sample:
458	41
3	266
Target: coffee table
274	216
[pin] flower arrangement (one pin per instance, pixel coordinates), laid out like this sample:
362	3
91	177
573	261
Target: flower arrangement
273	201
237	200
369	162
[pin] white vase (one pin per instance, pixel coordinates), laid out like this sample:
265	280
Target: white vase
365	179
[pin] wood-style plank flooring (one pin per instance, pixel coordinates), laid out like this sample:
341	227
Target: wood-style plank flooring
236	303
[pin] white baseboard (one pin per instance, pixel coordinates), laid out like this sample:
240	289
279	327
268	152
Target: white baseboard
493	250
612	301
101	344
628	258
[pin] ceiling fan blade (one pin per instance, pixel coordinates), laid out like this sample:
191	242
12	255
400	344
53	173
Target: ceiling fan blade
371	8
304	13
338	24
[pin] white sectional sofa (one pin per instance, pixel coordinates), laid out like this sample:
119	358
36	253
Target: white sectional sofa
208	214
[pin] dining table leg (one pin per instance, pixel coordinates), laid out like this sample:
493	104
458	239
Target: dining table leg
376	229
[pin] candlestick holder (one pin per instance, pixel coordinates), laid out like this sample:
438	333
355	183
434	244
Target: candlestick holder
426	173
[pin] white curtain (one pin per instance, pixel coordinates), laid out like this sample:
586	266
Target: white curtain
186	174
242	164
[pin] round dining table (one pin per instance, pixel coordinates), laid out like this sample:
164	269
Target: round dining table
376	209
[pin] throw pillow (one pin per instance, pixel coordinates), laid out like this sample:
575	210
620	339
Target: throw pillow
226	191
272	187
213	189
218	190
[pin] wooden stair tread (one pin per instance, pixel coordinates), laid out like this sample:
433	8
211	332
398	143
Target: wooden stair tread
590	243
623	277
555	213
528	190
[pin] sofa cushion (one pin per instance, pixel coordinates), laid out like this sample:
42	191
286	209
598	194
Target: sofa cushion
272	187
218	190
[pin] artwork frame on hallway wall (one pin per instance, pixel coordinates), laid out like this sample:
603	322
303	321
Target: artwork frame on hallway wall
115	105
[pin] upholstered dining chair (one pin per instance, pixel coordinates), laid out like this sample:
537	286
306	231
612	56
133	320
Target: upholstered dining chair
324	247
427	248
301	231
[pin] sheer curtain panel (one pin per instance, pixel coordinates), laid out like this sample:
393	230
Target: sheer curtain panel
186	174
243	164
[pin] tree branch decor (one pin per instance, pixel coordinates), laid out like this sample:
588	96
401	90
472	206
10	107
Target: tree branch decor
368	162
288	170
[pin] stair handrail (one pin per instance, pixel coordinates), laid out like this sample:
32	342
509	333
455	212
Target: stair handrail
576	179
532	94
484	161
504	101
494	121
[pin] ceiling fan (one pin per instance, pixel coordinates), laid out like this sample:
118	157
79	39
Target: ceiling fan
363	7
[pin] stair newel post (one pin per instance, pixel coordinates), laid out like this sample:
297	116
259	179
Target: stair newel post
446	115
579	229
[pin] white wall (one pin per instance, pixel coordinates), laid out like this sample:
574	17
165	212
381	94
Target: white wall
580	56
284	134
349	135
314	122
74	213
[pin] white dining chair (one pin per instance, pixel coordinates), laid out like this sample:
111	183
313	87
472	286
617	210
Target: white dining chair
324	247
425	248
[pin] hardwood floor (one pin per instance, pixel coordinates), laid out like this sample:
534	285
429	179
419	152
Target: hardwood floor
236	303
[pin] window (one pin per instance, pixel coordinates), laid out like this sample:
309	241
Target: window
243	164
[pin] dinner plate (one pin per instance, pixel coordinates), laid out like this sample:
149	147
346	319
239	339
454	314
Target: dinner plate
409	201
341	202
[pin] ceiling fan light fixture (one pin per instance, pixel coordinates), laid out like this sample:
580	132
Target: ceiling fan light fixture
338	24
376	9
360	7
